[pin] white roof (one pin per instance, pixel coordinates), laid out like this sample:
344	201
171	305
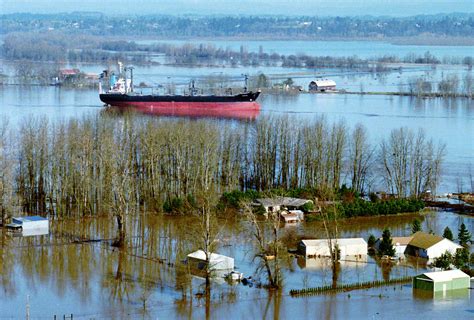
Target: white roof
445	275
340	242
201	255
30	219
324	82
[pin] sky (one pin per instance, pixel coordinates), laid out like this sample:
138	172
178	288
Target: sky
244	7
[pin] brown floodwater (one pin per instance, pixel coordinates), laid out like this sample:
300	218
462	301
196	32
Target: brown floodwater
75	270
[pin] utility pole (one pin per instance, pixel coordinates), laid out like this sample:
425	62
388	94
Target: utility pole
27	307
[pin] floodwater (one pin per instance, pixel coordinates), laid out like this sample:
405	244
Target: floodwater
362	49
61	275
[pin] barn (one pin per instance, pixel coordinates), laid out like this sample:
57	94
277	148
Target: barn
322	85
442	281
320	247
430	246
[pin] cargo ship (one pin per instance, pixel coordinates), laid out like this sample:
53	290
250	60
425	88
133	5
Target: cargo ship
118	91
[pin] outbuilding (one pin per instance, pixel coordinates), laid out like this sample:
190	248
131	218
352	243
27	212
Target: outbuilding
197	260
320	247
430	246
322	85
442	281
29	223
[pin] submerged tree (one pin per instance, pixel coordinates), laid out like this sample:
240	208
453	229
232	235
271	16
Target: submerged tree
386	245
416	226
464	236
448	234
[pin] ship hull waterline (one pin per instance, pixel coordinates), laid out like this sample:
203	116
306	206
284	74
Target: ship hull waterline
220	109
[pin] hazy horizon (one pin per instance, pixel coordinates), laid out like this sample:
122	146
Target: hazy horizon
245	7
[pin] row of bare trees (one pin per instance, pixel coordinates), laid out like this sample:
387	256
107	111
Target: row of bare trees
104	163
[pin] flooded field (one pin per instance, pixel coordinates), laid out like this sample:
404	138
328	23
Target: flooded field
75	270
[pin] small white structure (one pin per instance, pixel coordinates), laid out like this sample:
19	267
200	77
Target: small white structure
399	244
291	218
197	260
430	246
320	247
281	203
28	223
322	85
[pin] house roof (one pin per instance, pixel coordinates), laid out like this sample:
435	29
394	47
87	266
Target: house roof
30	219
424	240
340	242
324	82
445	275
69	71
283	201
201	255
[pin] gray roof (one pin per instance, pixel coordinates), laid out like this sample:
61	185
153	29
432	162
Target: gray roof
282	201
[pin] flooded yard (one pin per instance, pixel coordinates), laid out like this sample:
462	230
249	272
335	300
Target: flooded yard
75	270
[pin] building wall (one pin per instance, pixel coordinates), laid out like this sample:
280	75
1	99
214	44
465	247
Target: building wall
440	248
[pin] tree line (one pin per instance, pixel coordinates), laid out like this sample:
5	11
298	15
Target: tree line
299	27
126	164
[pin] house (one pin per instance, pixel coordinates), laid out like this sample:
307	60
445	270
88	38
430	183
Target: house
197	260
281	203
320	247
442	281
430	246
399	243
322	85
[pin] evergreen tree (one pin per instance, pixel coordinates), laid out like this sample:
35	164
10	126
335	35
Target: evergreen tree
371	241
464	236
461	258
386	245
416	226
444	261
448	234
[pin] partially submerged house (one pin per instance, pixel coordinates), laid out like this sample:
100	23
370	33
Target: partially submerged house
442	281
399	243
281	203
320	247
430	246
197	260
322	85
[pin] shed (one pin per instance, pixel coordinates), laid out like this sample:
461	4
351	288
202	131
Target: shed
322	85
430	246
320	247
29	223
197	260
442	281
288	217
399	243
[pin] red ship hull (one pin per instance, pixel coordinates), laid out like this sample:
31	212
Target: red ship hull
231	110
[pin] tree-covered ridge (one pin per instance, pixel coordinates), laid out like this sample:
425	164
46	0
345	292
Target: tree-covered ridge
453	25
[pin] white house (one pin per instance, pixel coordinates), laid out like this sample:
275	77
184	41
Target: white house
399	244
322	85
430	246
197	260
320	247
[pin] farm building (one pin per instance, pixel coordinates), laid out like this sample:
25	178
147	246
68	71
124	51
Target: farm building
322	85
430	246
288	217
399	243
281	203
320	247
197	260
442	281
